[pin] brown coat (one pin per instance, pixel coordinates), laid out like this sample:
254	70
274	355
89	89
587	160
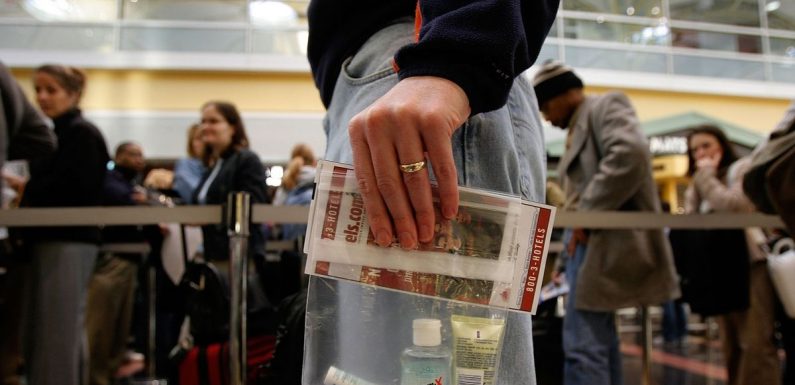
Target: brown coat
622	268
725	196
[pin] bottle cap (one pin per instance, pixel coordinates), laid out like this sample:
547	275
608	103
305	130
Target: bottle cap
427	332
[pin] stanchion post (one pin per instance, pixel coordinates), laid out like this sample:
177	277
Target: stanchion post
238	217
152	321
646	339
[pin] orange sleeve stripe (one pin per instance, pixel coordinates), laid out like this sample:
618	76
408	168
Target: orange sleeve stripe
417	22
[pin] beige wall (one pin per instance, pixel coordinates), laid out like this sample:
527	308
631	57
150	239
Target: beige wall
275	92
183	90
753	113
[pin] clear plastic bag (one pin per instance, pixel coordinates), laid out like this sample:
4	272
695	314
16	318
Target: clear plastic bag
436	315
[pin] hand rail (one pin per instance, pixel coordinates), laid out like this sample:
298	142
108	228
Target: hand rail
197	215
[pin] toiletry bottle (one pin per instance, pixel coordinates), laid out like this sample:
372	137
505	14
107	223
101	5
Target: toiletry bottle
427	362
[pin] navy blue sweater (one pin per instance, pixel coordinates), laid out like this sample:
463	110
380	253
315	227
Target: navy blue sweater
481	45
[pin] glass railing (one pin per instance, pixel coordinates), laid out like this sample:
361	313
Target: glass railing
727	39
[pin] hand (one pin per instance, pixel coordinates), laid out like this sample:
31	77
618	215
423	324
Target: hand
708	162
139	197
164	229
159	179
418	115
15	182
558	277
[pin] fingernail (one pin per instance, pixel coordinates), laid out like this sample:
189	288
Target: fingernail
426	233
383	238
450	212
406	240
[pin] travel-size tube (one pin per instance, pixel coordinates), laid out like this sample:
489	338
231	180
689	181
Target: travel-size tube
335	376
476	347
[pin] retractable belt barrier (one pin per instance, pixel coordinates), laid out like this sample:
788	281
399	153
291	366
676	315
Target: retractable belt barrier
236	216
198	215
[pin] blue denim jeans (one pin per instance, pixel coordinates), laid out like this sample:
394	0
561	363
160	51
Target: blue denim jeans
501	150
590	339
674	321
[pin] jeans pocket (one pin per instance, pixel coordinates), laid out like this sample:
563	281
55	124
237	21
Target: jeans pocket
359	80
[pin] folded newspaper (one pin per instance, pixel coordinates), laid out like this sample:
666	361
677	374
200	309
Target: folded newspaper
492	253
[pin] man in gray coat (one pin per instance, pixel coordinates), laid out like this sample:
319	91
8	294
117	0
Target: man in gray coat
606	167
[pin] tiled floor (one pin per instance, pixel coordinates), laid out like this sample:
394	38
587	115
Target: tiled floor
697	363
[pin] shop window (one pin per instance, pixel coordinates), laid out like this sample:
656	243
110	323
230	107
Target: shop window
647	8
737	12
716	41
600	30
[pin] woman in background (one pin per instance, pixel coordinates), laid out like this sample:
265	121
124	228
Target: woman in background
61	258
188	171
231	166
297	186
747	335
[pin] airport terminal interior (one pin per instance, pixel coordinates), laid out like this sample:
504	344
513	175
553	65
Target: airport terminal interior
165	87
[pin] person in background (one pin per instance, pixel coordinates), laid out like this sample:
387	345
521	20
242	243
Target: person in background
112	288
606	167
747	336
231	167
61	258
674	317
23	135
188	171
297	186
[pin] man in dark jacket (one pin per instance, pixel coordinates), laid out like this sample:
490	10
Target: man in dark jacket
112	287
399	80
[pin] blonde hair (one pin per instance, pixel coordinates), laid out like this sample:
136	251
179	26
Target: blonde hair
193	131
301	156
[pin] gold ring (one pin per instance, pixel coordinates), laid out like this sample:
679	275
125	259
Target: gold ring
412	167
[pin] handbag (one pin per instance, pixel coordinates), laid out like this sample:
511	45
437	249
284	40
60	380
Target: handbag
781	264
207	303
714	269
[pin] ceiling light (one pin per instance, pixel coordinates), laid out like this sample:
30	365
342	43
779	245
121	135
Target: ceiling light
773	6
272	13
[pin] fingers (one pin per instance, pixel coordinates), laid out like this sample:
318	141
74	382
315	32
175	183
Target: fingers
388	176
417	184
440	153
377	215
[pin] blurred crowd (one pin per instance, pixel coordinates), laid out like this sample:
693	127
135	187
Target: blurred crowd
76	299
75	304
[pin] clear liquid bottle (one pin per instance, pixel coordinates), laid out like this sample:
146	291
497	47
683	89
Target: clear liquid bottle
427	362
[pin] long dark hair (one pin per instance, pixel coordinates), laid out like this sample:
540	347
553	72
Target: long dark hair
232	116
729	155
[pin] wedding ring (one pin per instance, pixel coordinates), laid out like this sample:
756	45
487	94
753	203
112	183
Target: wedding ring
412	167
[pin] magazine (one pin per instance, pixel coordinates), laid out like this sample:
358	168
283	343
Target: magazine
492	253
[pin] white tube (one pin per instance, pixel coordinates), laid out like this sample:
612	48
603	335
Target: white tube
335	376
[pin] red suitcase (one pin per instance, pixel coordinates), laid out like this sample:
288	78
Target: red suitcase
209	365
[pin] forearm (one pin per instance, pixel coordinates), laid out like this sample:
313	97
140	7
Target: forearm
481	45
720	196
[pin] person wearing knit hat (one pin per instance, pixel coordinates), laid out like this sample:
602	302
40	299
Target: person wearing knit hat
606	167
559	91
